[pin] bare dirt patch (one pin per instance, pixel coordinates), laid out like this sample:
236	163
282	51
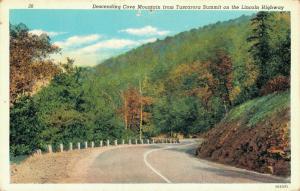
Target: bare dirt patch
264	148
65	167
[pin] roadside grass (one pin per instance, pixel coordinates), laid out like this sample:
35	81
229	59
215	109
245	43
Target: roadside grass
259	109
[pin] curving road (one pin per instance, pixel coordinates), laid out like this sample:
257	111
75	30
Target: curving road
164	163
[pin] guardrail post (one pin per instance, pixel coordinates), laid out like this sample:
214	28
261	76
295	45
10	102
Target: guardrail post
71	147
107	143
101	143
85	145
38	151
153	141
123	141
147	141
129	142
116	142
78	146
135	141
49	148
61	147
93	144
142	141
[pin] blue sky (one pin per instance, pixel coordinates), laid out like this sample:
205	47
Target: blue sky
90	36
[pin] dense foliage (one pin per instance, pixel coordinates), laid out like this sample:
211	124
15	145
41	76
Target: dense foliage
182	84
29	61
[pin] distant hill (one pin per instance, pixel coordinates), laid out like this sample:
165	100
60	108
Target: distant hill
159	57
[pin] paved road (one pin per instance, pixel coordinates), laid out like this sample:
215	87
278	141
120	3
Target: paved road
165	163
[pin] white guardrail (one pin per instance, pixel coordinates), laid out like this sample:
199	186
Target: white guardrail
106	143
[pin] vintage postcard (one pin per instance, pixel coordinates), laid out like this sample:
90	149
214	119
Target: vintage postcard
145	95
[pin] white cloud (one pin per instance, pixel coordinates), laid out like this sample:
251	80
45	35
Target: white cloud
145	31
93	54
109	44
148	40
49	33
75	41
82	59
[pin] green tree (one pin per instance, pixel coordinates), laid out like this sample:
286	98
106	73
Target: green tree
25	127
284	52
260	49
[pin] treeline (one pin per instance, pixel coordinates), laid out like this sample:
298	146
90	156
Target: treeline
51	102
182	84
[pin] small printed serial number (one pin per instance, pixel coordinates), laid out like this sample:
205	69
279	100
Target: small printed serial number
282	186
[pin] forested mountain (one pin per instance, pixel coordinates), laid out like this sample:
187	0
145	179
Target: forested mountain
182	84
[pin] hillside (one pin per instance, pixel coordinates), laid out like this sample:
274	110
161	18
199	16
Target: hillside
181	65
254	135
184	84
156	59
